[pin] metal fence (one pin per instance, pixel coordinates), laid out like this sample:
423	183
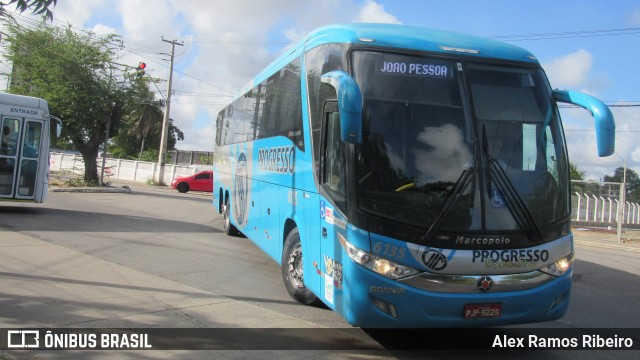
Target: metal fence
600	204
120	169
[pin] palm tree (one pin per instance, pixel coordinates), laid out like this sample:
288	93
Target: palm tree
575	173
150	116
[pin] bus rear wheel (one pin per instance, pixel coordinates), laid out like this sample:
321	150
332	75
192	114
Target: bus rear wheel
292	273
229	229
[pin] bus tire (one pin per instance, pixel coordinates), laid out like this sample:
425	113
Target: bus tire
229	228
292	270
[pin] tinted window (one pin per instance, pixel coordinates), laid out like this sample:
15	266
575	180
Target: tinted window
272	108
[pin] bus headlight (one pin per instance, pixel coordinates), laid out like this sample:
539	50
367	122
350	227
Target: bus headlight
559	267
384	267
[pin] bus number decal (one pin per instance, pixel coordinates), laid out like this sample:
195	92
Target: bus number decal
279	160
388	250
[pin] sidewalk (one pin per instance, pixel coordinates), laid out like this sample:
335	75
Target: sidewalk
629	240
46	285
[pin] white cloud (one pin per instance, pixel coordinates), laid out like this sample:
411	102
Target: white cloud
574	71
142	20
581	141
103	30
226	43
76	12
375	13
635	17
570	71
635	155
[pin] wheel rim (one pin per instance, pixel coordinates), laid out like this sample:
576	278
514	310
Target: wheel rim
295	267
225	215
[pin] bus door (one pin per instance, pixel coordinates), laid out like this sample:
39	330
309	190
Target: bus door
20	157
333	203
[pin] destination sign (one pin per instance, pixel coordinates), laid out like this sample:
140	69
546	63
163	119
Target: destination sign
414	67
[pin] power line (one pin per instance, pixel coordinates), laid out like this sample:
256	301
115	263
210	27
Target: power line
593	130
611	106
568	34
242	43
205	82
153	55
608	105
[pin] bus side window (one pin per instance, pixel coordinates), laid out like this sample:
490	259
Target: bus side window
9	140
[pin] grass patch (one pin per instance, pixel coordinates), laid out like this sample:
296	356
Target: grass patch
81	183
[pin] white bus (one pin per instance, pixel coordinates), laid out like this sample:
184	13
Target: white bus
24	147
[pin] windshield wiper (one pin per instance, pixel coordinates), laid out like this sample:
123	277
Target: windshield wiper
453	197
515	204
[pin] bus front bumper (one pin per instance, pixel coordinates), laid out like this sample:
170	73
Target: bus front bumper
373	301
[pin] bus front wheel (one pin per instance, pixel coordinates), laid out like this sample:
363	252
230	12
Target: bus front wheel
292	270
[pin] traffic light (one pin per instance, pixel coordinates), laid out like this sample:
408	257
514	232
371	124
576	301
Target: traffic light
140	69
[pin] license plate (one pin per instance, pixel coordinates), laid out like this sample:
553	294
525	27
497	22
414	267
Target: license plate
482	311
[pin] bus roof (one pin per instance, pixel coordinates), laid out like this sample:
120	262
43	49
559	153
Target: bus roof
399	37
23	101
417	38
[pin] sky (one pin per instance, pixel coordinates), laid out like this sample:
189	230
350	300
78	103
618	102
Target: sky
591	46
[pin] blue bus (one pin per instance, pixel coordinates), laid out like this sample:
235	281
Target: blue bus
406	177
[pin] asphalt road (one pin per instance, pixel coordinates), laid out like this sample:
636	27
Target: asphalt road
179	237
164	233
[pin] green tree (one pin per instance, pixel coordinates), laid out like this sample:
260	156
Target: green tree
37	7
141	140
632	182
142	129
575	173
74	72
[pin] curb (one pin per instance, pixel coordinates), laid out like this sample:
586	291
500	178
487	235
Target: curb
123	190
606	246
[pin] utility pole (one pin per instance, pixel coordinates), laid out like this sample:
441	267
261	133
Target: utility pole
165	121
623	199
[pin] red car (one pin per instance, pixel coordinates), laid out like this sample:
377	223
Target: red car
202	181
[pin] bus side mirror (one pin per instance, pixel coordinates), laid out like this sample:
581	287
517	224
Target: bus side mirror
605	125
58	128
349	105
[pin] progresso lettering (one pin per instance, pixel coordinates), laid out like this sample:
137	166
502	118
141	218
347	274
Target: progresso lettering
279	160
417	69
510	255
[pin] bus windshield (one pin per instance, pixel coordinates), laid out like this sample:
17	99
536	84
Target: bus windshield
452	147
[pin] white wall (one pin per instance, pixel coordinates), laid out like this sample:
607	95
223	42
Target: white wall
119	169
